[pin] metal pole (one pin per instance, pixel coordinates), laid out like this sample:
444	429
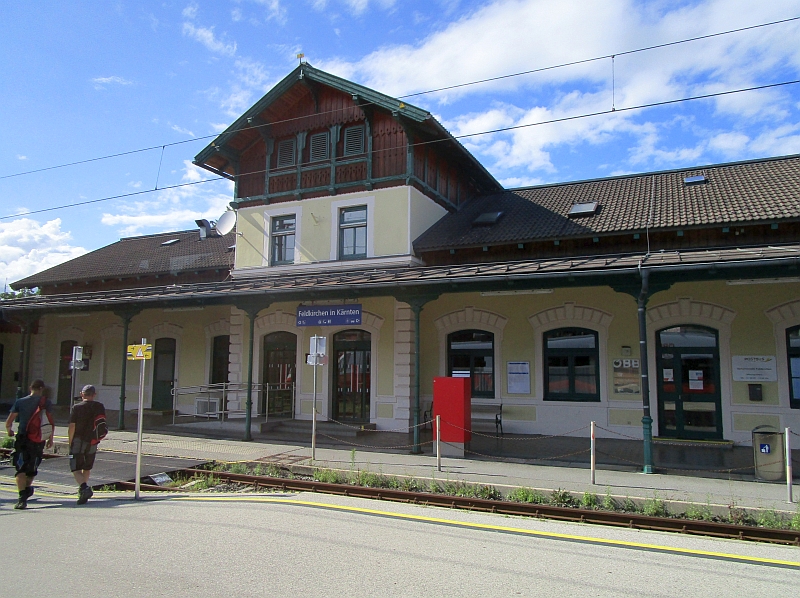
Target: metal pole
314	413
249	404
139	428
647	421
788	466
594	461
438	440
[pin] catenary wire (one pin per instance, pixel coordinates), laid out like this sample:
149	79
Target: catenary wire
464	136
419	93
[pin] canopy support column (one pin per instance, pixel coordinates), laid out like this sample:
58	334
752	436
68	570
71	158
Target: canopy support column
126	316
647	420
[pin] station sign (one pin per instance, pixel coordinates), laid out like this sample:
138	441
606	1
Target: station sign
329	315
140	352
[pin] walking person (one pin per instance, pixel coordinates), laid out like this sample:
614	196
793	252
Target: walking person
87	426
30	441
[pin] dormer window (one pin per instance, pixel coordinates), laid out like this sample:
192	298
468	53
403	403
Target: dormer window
319	147
286	153
354	140
353	233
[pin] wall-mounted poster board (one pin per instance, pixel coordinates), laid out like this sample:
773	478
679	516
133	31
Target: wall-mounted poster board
519	377
755	368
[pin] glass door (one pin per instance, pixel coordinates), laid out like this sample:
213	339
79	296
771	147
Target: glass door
64	374
352	376
278	374
689	399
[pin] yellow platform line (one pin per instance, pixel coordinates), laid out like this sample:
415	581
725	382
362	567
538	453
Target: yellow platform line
501	528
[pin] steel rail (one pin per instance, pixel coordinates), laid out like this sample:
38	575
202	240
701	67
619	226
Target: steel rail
611	518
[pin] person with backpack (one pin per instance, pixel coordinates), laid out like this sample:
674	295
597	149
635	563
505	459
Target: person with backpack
87	427
36	426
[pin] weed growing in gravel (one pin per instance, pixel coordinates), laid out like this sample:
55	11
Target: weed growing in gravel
7	442
590	501
327	476
794	522
609	504
655	507
562	498
699	512
239	468
770	518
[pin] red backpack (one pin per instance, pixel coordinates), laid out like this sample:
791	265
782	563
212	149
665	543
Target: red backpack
99	428
39	428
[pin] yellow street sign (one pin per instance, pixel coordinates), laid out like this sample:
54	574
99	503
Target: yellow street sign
139	352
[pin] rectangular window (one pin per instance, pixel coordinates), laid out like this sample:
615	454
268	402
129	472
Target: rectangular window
319	147
282	234
220	356
354	141
571	365
353	233
286	153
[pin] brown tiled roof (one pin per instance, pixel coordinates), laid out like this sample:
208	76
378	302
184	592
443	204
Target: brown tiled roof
140	256
744	192
736	263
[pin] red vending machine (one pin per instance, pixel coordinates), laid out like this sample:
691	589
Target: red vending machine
452	401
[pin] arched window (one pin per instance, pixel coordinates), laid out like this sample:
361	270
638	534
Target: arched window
471	355
793	360
571	365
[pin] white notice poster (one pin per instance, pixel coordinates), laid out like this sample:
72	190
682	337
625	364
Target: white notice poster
755	368
519	377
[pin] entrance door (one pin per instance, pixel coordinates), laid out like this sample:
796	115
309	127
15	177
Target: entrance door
689	399
163	373
351	352
278	374
64	396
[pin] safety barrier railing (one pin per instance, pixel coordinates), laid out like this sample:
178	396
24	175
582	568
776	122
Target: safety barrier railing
210	401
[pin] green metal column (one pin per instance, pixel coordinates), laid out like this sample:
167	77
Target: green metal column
416	308
647	421
23	331
126	316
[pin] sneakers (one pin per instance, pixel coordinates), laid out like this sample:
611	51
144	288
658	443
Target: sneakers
84	494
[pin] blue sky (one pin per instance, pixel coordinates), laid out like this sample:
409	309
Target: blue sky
85	79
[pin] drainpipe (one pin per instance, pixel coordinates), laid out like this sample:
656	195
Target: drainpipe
647	421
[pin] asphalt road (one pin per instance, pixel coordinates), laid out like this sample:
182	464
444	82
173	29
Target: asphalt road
265	545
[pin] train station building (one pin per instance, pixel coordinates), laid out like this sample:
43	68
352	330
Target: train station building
668	296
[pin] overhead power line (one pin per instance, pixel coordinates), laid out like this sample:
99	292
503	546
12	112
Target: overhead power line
464	136
419	93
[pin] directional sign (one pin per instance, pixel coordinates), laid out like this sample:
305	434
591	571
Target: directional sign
139	352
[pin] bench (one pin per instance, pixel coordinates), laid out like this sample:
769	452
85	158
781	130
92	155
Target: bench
485	411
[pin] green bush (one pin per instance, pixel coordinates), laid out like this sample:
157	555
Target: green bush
770	518
794	523
327	476
527	495
239	468
7	442
609	504
655	507
699	512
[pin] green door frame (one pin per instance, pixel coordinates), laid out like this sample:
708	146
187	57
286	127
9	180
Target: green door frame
162	397
678	389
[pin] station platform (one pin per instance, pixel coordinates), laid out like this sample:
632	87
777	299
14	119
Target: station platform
719	493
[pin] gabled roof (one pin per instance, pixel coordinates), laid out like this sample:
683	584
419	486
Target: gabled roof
141	256
766	190
365	95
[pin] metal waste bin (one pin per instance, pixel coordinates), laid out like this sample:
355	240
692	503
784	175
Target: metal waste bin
768	454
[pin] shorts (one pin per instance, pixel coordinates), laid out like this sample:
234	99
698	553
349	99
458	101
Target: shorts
27	455
81	455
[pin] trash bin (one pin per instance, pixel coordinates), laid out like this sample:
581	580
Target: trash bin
768	457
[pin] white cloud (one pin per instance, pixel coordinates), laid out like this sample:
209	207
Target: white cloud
173	209
21	157
218	127
205	35
182	130
190	12
275	10
135	184
101	82
507	36
27	246
236	15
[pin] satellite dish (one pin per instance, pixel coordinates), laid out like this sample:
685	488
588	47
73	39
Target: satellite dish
226	222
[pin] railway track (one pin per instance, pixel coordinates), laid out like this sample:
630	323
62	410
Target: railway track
611	518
